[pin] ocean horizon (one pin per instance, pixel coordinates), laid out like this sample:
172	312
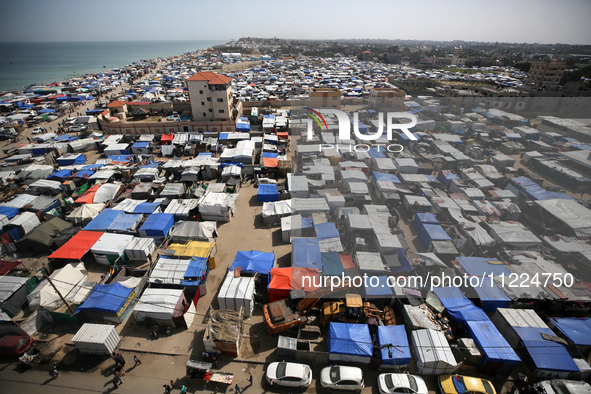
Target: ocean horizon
26	63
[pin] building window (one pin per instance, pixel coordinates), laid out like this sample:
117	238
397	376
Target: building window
204	114
221	111
201	92
203	103
220	100
210	110
209	99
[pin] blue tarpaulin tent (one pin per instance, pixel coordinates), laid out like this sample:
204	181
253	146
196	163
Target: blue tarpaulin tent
428	218
196	273
60	175
578	330
492	297
326	230
146	207
446	176
103	220
350	339
378	287
399	352
254	261
157	225
141	144
71	160
332	264
267	193
240	126
9	212
306	253
376	152
535	191
432	232
487	337
108	299
84	174
546	355
380	176
66	138
479	266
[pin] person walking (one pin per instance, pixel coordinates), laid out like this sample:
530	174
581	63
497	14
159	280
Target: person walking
137	361
117	381
237	388
249	379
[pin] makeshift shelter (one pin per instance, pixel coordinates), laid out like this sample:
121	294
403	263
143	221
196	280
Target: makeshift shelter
181	209
42	204
84	214
297	186
40	239
172	272
432	232
68	280
202	231
306	253
157	225
166	307
237	293
223	333
112	302
139	249
13	294
332	264
22	224
433	353
577	330
349	342
106	192
267	193
125	223
96	339
494	346
284	280
71	159
77	246
103	220
217	206
394	346
110	248
254	262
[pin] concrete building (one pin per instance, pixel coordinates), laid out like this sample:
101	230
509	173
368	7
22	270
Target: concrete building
546	73
210	95
365	56
386	99
325	98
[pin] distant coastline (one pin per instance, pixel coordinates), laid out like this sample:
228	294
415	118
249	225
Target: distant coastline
26	63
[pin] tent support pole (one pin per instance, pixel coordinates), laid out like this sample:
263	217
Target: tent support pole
57	291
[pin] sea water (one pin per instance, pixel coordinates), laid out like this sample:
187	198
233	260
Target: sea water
26	63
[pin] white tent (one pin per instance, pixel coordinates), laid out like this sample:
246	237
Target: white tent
25	222
160	304
201	231
573	214
110	247
180	208
140	248
84	213
217	206
67	280
106	192
236	293
433	353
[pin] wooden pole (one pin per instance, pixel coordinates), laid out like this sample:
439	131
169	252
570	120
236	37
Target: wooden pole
57	291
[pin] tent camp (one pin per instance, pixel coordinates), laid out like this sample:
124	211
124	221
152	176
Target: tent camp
110	248
167	307
236	293
110	302
201	231
68	280
267	193
84	214
139	249
348	342
22	224
306	253
157	225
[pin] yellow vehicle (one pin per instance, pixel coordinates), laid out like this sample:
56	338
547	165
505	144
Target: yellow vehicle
349	311
458	384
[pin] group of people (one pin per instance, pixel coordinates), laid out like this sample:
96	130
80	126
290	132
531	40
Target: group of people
119	365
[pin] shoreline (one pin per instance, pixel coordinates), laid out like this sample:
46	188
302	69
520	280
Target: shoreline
69	77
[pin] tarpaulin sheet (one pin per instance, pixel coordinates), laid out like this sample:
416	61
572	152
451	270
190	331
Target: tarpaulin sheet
535	191
400	349
428	218
9	212
270	159
88	196
347	261
376	152
351	339
578	330
267	193
326	231
166	138
106	298
196	270
84	174
254	261
482	266
380	176
492	297
331	264
445	177
284	280
432	232
483	331
146	207
377	286
6	266
157	225
546	355
125	222
193	249
306	253
103	220
573	214
77	246
61	174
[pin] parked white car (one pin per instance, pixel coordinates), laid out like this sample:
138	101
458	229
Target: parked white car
289	374
337	377
77	128
38	130
401	383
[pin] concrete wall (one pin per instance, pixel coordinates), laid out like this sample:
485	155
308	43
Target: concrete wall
136	128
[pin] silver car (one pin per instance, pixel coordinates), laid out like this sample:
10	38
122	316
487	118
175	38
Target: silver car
342	378
289	374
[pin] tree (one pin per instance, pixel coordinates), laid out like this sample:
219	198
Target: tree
523	66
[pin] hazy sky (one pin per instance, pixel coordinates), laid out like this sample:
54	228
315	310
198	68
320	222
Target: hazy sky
543	21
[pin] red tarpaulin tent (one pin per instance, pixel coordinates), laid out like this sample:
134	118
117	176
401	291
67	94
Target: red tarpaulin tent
284	280
77	246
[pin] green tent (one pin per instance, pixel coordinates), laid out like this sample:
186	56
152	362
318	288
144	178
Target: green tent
40	239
